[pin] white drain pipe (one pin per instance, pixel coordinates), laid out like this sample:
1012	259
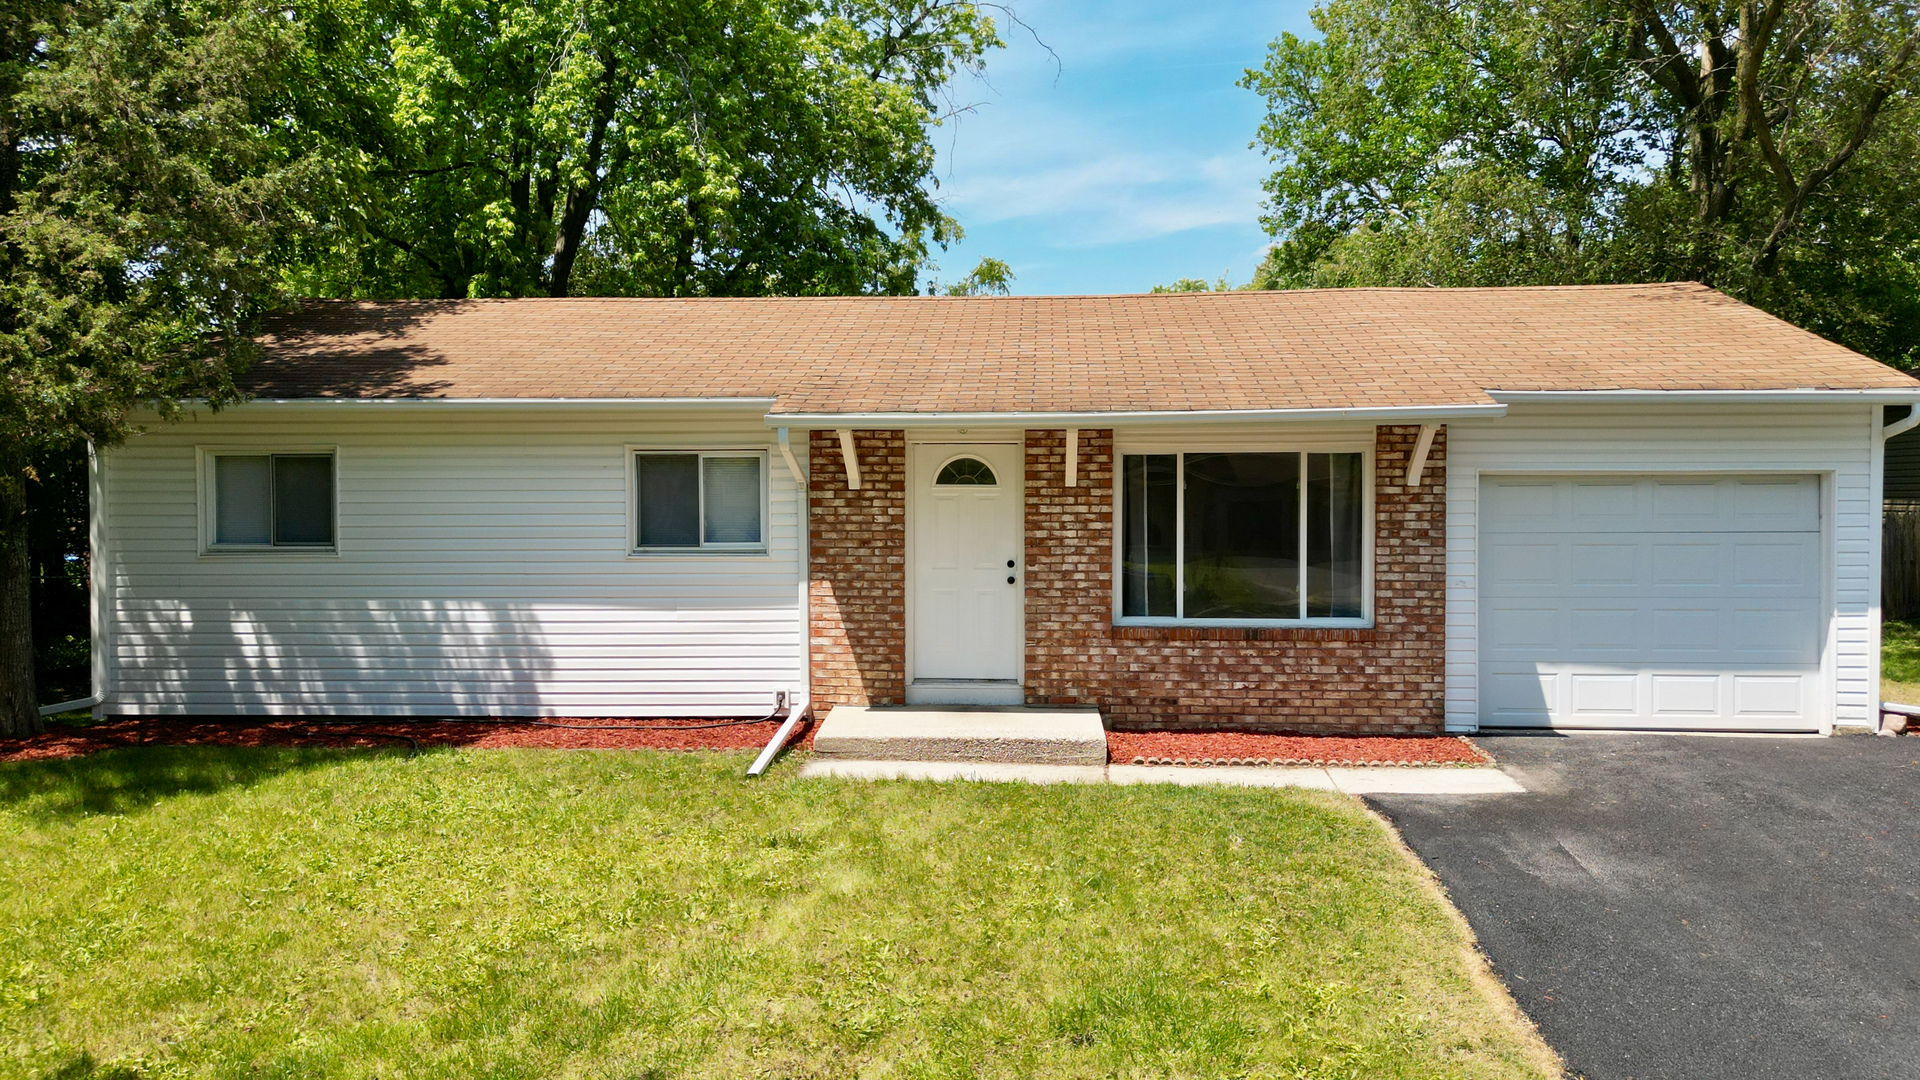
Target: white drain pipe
69	706
794	716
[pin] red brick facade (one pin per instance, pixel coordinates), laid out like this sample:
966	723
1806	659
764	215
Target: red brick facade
856	571
1385	679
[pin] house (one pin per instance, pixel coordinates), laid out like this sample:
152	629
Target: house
1373	510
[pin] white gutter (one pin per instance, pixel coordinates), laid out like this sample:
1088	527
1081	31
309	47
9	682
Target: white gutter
893	420
761	404
1717	397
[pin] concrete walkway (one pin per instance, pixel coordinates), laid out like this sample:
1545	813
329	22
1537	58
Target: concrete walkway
1352	781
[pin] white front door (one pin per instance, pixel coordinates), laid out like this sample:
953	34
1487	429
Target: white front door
1651	602
965	513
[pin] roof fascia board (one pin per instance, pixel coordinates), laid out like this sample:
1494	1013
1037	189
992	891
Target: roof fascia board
871	421
759	404
1718	397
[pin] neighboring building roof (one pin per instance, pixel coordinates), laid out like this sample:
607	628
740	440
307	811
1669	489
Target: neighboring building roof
1308	349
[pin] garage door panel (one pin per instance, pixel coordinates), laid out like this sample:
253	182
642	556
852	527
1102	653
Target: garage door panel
1596	695
1759	697
1526	505
1524	696
1527	633
1686	504
1790	565
1606	501
1697	697
1600	629
1651	602
1616	563
1688	564
1529	562
1783	505
1786	632
1682	629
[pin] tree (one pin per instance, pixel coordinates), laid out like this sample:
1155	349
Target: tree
146	185
1194	284
1762	146
638	147
990	277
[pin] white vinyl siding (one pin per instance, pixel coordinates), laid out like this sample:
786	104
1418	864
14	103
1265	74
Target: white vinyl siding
482	565
1831	444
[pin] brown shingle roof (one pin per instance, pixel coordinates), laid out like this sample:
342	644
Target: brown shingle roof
1332	348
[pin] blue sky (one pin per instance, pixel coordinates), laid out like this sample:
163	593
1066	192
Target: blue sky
1124	165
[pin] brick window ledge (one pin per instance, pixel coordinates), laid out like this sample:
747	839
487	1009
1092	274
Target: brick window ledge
1243	633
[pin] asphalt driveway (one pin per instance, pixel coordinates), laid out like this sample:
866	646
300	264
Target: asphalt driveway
1687	907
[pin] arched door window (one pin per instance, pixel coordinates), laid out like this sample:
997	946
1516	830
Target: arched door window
965	472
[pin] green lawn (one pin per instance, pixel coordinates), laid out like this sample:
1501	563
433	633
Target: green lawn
1900	661
262	913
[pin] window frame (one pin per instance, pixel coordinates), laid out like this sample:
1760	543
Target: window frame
1369	520
209	498
703	548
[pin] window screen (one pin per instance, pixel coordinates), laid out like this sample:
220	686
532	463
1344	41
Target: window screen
669	499
303	499
277	500
699	500
243	500
732	500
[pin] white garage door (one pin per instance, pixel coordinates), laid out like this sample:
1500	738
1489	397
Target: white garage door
1656	602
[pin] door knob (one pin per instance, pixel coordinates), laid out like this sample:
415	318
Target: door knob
1009	579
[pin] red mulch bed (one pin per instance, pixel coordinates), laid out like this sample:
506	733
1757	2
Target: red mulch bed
66	742
1246	748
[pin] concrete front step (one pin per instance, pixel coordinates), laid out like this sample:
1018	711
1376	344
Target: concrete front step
981	734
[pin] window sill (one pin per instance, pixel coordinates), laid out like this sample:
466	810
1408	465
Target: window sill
1203	632
698	553
269	552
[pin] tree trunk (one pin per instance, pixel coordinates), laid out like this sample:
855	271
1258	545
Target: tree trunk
19	700
581	200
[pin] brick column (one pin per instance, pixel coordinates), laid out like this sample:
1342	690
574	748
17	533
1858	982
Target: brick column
856	571
1070	657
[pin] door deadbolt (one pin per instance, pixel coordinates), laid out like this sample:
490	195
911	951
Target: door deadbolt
1009	564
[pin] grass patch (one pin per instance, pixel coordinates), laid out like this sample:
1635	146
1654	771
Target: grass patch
1900	661
265	913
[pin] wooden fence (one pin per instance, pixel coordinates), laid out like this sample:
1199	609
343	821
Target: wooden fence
1900	561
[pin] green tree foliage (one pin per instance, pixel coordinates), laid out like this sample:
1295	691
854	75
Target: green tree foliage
1766	147
147	185
990	277
1194	284
637	147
